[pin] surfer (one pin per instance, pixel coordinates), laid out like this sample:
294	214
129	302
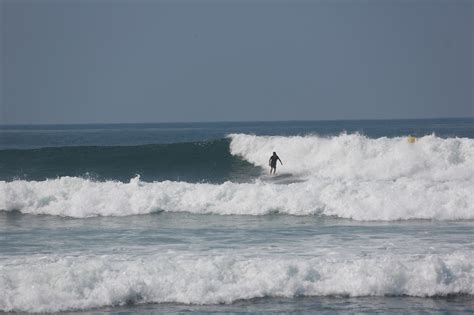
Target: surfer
273	162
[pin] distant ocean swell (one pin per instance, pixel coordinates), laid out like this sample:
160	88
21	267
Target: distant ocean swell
57	283
348	176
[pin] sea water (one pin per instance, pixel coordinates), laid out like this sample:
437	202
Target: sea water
172	218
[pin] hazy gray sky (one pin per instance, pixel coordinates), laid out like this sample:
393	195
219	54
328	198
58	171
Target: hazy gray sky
155	61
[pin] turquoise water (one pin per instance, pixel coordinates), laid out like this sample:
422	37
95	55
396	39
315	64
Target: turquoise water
356	220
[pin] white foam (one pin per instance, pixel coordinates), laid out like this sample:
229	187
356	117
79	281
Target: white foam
54	283
354	156
360	200
349	176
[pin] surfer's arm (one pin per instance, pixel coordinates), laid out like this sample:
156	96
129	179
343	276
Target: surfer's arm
280	161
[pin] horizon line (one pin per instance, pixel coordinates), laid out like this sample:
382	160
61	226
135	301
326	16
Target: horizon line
224	121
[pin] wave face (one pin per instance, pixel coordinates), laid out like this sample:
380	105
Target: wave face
55	283
348	176
194	161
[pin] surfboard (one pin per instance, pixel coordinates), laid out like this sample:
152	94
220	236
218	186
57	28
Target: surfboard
282	178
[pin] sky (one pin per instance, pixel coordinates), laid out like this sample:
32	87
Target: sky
124	61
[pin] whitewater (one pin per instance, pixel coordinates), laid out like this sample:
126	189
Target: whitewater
348	176
173	218
88	282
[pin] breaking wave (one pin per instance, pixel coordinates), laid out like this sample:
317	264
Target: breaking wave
348	176
356	157
57	283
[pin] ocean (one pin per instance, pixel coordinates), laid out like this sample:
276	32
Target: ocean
185	217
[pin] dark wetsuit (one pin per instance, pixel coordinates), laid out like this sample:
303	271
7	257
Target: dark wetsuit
273	161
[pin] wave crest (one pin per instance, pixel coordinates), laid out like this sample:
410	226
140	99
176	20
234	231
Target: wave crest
51	284
354	156
359	200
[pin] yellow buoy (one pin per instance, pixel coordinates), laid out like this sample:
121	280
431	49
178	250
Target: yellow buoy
411	139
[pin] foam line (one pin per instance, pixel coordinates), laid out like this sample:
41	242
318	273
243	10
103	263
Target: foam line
54	283
359	200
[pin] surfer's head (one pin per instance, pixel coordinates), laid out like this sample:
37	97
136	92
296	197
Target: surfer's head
274	153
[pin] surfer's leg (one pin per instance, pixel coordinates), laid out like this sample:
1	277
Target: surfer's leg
272	168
